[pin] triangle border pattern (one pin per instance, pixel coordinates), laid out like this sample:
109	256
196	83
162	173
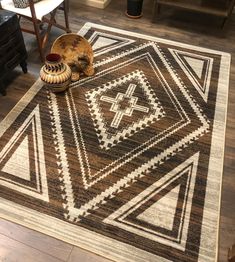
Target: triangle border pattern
117	218
121	41
41	192
23	171
202	90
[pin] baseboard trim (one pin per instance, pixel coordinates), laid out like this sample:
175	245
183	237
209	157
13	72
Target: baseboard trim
96	3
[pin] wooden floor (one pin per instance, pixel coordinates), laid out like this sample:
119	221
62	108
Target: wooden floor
21	244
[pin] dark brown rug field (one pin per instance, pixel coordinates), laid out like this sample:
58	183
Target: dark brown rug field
127	163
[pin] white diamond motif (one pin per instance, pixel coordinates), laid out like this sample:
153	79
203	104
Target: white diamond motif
128	111
151	112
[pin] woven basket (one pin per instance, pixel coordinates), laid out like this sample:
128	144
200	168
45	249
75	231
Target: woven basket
23	3
75	50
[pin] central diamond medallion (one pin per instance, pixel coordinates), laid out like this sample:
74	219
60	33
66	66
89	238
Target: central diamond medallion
122	107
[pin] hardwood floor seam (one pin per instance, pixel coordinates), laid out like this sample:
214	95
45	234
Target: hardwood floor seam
32	247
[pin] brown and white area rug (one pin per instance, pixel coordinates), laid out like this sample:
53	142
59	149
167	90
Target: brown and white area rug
128	163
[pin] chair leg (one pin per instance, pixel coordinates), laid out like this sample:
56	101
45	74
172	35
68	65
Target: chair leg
39	39
156	10
231	7
52	20
43	41
224	22
66	11
50	23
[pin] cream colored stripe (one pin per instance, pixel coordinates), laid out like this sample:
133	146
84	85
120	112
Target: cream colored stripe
65	166
88	25
211	218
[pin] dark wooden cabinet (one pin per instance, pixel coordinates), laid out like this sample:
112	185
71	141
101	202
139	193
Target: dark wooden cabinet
220	8
12	47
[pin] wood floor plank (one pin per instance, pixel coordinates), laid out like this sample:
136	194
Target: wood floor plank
14	251
36	240
79	254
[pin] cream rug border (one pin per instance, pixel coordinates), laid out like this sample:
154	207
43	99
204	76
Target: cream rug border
107	247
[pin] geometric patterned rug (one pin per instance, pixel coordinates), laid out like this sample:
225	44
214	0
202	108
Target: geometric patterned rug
127	163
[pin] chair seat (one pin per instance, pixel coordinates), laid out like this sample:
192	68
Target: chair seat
42	8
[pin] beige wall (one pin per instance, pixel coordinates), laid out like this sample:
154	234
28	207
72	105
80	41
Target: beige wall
95	3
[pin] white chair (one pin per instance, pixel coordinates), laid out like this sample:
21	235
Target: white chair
36	12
